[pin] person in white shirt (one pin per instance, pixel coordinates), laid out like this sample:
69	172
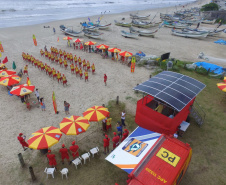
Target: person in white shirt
123	117
37	94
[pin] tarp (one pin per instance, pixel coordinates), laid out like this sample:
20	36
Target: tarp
140	54
220	41
131	151
213	68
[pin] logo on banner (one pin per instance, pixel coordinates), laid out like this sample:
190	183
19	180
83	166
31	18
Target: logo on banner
135	147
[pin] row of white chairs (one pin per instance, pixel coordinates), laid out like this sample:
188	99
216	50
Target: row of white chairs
76	162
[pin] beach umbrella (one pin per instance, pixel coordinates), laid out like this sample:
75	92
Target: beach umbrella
7	73
78	40
225	78
114	50
126	54
89	43
74	125
222	86
96	113
67	38
10	80
22	90
2	65
44	138
102	46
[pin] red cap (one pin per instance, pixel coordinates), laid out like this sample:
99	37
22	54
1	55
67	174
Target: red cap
49	151
104	74
115	133
73	142
106	136
20	134
125	130
63	145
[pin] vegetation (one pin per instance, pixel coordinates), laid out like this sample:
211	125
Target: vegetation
210	7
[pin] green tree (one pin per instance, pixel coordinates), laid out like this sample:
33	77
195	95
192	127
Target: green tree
210	7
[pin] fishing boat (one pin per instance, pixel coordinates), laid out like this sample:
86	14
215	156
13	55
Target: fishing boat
100	26
123	24
129	35
214	32
72	33
147	33
94	35
208	21
176	25
141	24
88	27
62	27
136	16
190	34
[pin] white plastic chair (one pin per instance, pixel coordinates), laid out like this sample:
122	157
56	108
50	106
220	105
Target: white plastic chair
77	161
86	156
50	171
94	151
64	171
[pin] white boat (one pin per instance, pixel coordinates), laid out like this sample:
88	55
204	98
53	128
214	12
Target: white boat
129	35
72	33
177	26
147	33
211	32
208	21
104	27
94	35
136	16
190	34
123	24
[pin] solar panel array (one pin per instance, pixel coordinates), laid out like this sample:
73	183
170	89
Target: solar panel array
173	88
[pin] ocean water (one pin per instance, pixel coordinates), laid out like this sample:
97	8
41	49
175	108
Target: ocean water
29	12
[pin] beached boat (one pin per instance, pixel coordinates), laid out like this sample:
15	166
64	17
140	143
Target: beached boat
190	34
208	21
72	33
147	33
214	32
136	16
104	26
88	27
141	24
94	35
123	24
176	25
129	35
62	27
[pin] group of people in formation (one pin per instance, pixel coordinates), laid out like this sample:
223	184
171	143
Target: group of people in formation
77	65
43	67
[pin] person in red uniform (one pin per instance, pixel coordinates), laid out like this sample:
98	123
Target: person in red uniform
106	144
105	79
74	150
22	141
125	134
64	154
52	159
115	140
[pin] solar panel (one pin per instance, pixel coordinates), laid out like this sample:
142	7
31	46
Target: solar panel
172	88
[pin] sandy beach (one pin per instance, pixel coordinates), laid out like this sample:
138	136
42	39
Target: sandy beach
15	118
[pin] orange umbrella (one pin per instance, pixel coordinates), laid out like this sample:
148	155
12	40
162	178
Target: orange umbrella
44	138
126	54
114	50
78	40
74	125
7	73
10	80
96	113
90	43
67	38
102	46
222	86
22	90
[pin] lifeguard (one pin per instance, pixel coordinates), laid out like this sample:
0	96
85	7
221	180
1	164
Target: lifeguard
49	55
88	65
52	58
80	73
61	53
86	75
71	57
46	68
64	80
84	64
65	55
50	71
93	68
59	76
56	59
68	56
32	60
60	61
65	64
75	59
25	69
42	66
72	68
46	54
54	73
76	70
79	62
28	57
41	52
38	64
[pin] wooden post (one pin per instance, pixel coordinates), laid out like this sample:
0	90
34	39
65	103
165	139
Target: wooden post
208	71
21	159
32	173
136	91
117	100
150	76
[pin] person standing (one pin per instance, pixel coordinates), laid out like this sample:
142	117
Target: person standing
52	159
86	75
43	106
115	140
106	144
125	135
37	94
22	141
119	129
66	107
54	30
93	68
105	79
64	154
74	150
26	69
123	117
104	124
